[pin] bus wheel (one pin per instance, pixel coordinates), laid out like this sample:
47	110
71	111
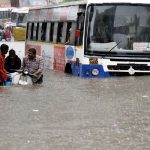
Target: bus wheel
68	68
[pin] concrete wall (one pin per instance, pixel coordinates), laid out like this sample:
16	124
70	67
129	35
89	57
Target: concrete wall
5	3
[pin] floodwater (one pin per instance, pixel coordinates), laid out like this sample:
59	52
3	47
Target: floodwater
71	113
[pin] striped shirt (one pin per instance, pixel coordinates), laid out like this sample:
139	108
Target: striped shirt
33	66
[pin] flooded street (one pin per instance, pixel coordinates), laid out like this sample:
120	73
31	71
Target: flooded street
70	113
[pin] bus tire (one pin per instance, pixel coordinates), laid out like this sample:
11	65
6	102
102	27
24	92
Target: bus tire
68	68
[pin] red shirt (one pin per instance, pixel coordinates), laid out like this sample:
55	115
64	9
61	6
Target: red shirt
7	34
3	72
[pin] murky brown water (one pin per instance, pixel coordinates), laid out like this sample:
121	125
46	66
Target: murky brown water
70	113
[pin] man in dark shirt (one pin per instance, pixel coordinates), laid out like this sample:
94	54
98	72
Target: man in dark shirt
12	62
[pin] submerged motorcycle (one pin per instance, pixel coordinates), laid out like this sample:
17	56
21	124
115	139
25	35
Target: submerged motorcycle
17	78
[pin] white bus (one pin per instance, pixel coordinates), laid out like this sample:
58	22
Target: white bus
97	38
5	15
19	16
19	21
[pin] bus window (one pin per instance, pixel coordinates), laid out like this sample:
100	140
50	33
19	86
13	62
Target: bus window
43	31
27	31
72	33
64	32
9	14
69	30
22	18
32	29
80	27
48	32
51	31
59	32
6	14
3	15
37	29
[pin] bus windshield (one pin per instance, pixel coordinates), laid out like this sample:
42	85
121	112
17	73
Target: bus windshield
19	18
124	27
22	19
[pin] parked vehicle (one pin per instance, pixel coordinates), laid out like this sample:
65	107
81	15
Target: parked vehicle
96	38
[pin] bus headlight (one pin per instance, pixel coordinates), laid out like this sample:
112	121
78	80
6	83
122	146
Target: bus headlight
95	72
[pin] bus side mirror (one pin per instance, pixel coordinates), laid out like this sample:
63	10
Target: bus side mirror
77	33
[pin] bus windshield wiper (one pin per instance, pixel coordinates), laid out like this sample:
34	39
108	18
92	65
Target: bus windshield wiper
114	46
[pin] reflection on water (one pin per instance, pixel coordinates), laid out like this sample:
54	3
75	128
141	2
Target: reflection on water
75	114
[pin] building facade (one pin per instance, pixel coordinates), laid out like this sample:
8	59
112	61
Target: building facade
5	3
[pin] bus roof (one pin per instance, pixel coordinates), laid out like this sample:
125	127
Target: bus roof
61	5
64	11
6	9
21	10
119	1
